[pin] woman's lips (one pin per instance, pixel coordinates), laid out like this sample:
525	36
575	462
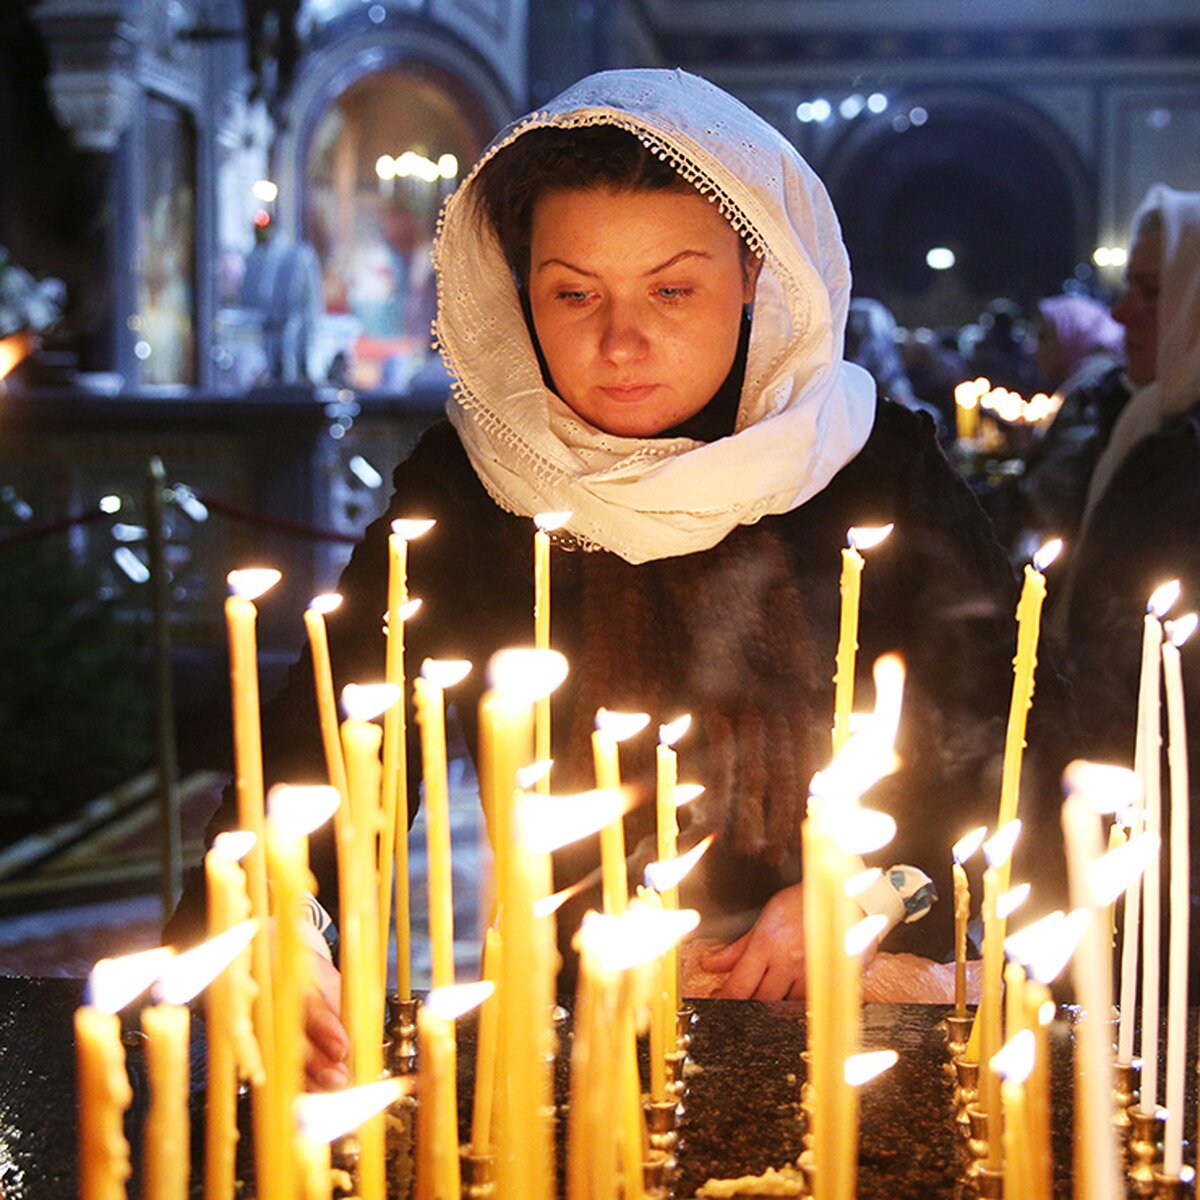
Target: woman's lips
631	394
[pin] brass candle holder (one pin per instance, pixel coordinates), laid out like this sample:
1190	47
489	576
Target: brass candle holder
662	1125
656	1175
958	1033
676	1080
685	1018
977	1138
343	1162
1145	1149
1174	1187
987	1184
478	1174
402	1032
966	1091
1126	1094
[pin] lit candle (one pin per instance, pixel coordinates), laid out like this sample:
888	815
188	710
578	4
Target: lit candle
438	1176
485	1048
1013	1063
393	843
611	729
667	778
318	643
1095	880
1029	622
546	524
967	396
323	1118
292	814
362	989
1146	764
962	851
859	538
103	1091
241	616
231	1048
167	1024
430	701
1178	632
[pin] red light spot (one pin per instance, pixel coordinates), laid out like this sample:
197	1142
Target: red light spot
262	218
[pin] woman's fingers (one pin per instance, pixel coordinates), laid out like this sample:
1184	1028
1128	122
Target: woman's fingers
328	1042
745	977
725	958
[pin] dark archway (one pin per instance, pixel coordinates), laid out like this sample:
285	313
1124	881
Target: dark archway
991	180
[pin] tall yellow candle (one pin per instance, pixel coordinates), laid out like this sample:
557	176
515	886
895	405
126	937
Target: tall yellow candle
546	524
104	1095
962	850
1178	632
1013	1063
430	702
486	1047
611	729
318	643
859	538
667	764
393	843
438	1176
362	987
1029	621
241	617
231	1049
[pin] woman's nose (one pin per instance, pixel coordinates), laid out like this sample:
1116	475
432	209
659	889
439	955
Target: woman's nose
622	339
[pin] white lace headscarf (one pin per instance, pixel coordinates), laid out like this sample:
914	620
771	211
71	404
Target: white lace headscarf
804	413
1176	385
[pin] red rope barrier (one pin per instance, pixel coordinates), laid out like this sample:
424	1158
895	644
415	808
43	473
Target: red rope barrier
30	533
300	528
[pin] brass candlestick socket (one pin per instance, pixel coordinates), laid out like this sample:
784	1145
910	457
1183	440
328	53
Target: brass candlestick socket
676	1081
1145	1149
662	1124
966	1091
1174	1187
977	1136
684	1020
958	1033
478	1174
402	1032
656	1175
1126	1094
988	1184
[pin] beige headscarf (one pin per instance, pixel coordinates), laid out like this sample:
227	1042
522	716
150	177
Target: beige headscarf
803	414
1176	386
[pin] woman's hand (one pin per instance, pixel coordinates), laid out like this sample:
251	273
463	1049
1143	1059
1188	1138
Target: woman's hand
328	1043
767	963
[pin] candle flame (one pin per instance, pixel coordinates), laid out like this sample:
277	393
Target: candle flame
449	1003
546	823
547	906
888	673
444	673
860	764
529	777
670	872
523	677
252	582
862	1068
1179	631
859	830
860	936
685	793
999	847
968	844
1052	955
1047	553
114	982
548	522
1163	598
1046	1013
233	844
366	701
325	1117
1014	1060
639	935
408	529
1008	904
1106	788
866	537
669	734
1038	937
298	811
856	885
1118	869
326	603
190	973
620	726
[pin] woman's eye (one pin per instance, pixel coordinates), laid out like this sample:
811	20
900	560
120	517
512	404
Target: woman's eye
674	293
572	295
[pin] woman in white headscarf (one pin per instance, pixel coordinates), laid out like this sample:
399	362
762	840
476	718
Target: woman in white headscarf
1142	523
642	297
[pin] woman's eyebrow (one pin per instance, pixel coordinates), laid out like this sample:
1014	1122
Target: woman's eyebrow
562	262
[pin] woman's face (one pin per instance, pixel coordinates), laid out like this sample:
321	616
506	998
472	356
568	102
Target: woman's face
637	302
1137	309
